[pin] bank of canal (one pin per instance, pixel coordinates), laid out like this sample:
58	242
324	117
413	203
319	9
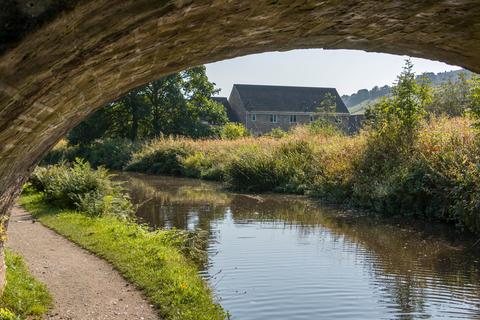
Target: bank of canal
286	257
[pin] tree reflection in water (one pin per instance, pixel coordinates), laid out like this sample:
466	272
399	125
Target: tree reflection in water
407	262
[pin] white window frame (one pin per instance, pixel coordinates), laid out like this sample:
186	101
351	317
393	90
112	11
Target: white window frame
294	118
273	118
253	117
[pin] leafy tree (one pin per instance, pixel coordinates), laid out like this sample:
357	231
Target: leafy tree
328	104
452	98
94	127
474	95
177	104
399	116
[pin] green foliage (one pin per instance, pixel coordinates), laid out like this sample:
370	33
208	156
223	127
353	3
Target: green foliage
83	188
277	133
112	153
160	159
152	261
435	176
177	104
384	165
398	117
284	170
322	126
233	131
23	295
6	314
253	171
474	96
328	104
451	98
447	87
195	164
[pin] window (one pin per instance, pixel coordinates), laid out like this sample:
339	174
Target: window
273	118
293	118
254	117
312	118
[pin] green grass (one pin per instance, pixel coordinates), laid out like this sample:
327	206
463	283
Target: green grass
147	259
23	295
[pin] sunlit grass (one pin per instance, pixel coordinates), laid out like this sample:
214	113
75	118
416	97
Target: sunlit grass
150	260
26	297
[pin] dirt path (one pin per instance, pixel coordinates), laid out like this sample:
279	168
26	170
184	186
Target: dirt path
83	286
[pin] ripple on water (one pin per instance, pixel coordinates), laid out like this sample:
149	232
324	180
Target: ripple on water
286	258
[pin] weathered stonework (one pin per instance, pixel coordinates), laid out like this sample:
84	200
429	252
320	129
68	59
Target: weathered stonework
67	63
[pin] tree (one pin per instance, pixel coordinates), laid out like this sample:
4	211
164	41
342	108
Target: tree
451	98
399	116
328	104
94	127
474	95
177	104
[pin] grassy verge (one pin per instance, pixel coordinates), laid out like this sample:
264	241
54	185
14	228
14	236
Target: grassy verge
147	259
26	297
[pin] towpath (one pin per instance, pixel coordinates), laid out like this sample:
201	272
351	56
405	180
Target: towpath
83	286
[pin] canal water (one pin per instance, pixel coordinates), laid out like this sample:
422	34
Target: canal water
275	257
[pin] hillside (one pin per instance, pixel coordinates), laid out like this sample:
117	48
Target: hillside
359	101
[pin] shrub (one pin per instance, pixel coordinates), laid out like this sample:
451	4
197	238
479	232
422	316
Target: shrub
277	133
111	153
286	169
253	170
6	314
324	127
163	156
196	165
81	187
61	152
231	131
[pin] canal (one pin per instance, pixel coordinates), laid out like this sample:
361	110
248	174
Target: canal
275	257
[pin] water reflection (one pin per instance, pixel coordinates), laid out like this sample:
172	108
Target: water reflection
285	257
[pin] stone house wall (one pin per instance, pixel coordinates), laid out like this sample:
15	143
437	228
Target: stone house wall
237	106
262	123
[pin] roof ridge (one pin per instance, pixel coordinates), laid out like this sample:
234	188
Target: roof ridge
280	86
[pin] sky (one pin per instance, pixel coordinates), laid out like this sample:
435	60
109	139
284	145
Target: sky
346	70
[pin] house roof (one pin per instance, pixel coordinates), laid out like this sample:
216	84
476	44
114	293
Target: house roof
228	108
285	98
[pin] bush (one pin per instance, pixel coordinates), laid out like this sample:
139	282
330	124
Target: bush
253	170
111	153
6	314
81	187
231	131
286	169
324	127
277	133
161	157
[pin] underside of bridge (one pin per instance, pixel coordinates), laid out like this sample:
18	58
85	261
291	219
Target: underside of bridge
62	59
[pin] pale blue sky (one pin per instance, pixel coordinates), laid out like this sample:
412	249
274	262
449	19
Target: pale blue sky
346	70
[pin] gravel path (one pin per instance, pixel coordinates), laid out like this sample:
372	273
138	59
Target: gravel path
83	286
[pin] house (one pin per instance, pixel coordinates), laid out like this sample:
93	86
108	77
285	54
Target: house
261	108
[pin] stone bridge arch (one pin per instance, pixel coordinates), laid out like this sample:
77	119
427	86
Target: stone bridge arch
62	59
